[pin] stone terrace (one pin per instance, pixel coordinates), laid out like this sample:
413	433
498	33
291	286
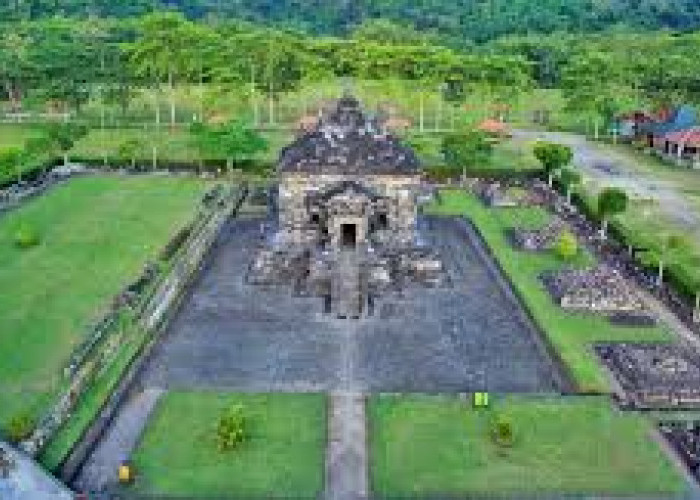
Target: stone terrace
235	336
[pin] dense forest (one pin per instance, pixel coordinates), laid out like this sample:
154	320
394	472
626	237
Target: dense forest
69	61
453	20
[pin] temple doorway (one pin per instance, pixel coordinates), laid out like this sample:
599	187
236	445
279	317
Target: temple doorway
348	235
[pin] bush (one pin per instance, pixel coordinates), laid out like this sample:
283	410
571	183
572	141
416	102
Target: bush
230	431
20	427
566	247
502	432
26	237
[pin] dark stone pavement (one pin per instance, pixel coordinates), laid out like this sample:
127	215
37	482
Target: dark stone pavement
234	336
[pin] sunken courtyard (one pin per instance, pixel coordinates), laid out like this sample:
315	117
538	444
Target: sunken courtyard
339	283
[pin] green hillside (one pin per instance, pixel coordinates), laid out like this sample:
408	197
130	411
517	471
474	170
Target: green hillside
456	19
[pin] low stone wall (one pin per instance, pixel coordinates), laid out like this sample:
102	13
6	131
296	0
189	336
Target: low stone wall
153	318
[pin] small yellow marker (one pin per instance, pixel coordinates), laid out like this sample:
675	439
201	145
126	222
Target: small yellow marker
125	473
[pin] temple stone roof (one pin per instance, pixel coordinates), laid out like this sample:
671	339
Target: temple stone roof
346	142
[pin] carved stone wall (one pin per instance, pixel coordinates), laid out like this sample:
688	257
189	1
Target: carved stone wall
396	204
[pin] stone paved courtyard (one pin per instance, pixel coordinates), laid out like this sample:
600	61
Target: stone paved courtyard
236	336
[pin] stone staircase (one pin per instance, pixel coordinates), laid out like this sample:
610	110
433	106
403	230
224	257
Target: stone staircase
347	300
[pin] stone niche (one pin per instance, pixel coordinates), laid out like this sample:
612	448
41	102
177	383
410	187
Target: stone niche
654	376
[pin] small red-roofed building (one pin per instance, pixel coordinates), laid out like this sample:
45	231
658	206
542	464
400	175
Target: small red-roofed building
494	127
684	144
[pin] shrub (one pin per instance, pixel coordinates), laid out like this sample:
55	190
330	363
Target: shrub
502	432
230	431
566	247
26	237
20	427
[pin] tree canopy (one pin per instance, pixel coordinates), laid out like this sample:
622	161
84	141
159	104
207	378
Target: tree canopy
452	20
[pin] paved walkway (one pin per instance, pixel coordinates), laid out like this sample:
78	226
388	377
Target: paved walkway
100	472
670	319
346	457
28	481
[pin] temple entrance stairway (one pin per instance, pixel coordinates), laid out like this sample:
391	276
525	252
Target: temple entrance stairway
346	296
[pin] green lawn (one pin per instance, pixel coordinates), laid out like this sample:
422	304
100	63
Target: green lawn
440	445
96	234
283	455
16	135
571	333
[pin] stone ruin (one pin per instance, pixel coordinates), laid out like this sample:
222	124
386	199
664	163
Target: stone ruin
544	238
507	194
347	216
601	289
654	376
684	437
7	463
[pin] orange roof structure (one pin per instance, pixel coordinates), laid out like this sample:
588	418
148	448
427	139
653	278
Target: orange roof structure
396	123
493	126
307	122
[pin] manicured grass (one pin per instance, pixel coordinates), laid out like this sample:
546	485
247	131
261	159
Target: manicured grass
571	333
439	445
95	235
282	456
16	135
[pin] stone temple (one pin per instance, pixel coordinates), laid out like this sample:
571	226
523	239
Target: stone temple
347	211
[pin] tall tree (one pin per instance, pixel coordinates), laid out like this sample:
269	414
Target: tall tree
611	201
553	157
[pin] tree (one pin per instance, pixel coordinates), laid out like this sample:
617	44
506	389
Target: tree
14	65
20	427
11	163
230	430
165	49
552	156
64	137
502	432
466	149
130	149
611	201
569	178
566	246
664	244
234	141
38	149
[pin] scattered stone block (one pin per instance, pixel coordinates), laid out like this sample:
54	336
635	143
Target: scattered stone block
601	289
654	376
539	239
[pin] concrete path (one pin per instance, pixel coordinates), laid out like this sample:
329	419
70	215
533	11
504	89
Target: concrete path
669	318
28	481
346	456
100	472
